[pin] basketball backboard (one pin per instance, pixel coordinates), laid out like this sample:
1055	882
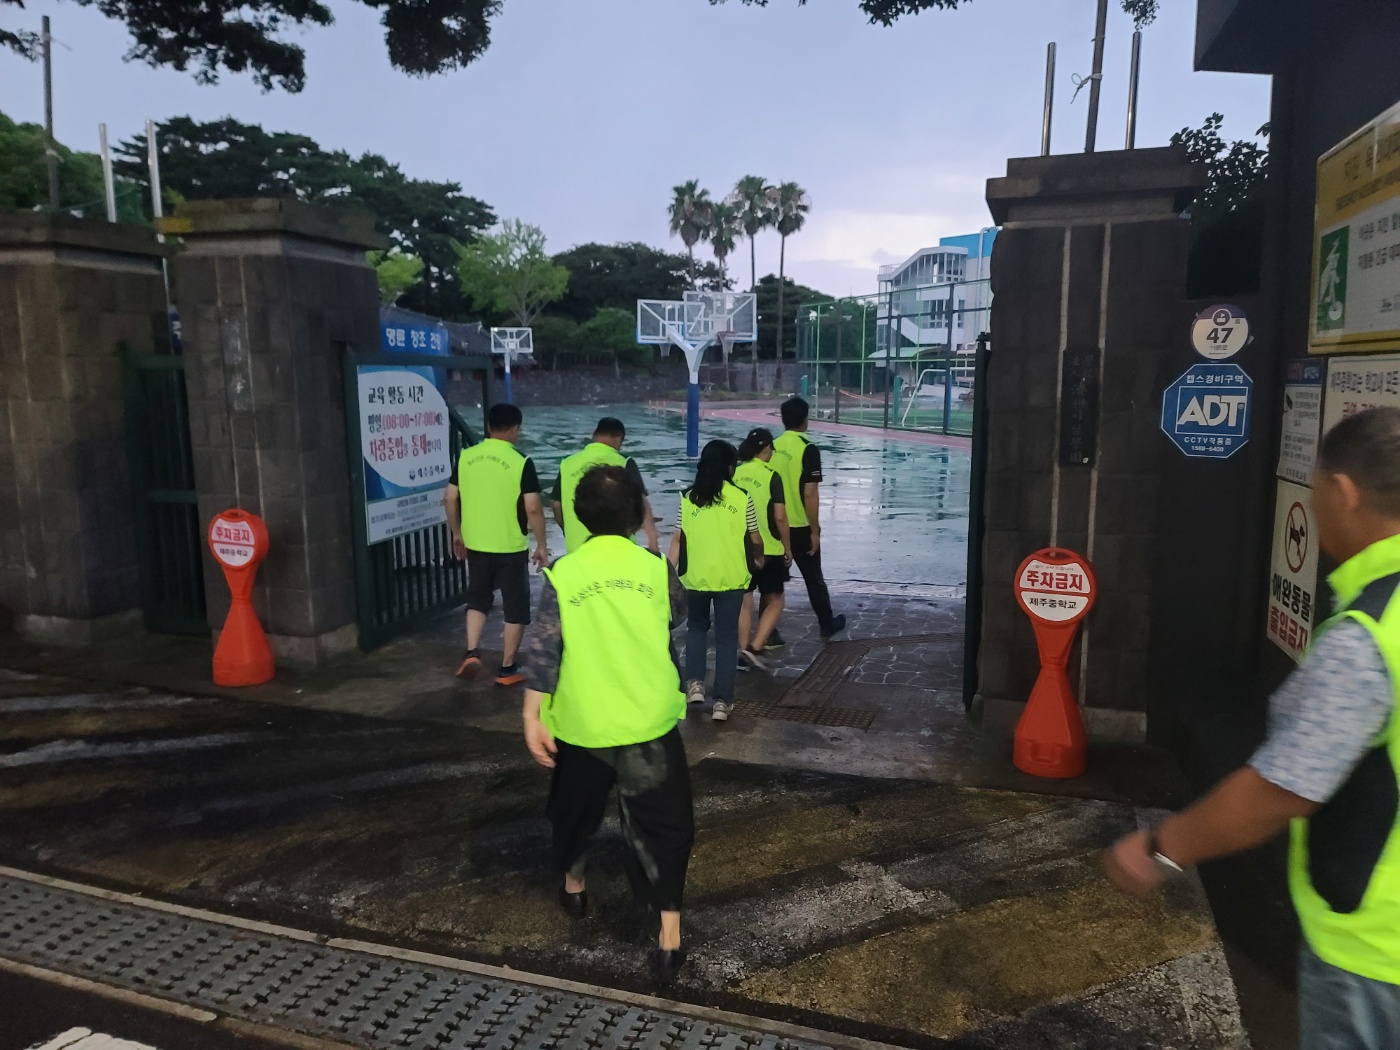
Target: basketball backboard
732	315
512	343
668	321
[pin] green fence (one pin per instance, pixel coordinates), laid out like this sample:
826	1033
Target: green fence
894	359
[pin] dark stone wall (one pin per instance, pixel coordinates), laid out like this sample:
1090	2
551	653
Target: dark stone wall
267	320
1100	261
72	293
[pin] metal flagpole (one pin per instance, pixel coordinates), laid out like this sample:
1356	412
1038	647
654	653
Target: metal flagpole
1133	89
1049	100
109	183
153	163
1096	77
50	148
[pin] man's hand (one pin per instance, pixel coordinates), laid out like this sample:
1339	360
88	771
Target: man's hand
540	742
787	556
459	549
1130	867
541	556
816	542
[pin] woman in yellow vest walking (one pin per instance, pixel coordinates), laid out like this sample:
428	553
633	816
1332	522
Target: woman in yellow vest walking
715	544
604	705
765	488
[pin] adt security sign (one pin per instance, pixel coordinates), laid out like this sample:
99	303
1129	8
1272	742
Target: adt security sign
1206	411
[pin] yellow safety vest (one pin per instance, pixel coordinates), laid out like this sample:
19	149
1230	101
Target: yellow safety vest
1344	867
715	538
618	684
571	472
756	478
488	475
787	461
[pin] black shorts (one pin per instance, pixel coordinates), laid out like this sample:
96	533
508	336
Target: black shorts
507	573
771	578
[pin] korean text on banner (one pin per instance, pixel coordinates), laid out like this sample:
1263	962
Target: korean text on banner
1302	421
1356	242
405	438
1355	384
1293	576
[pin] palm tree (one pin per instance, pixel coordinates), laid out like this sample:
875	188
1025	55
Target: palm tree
724	233
789	204
750	196
690	217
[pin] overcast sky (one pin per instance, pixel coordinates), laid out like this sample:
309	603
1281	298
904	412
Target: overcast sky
584	113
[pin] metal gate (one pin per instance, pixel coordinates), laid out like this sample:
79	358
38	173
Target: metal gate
169	539
402	581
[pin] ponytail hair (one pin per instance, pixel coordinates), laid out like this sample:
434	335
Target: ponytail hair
759	438
716	466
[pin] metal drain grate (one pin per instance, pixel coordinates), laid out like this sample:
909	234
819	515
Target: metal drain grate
817	714
320	990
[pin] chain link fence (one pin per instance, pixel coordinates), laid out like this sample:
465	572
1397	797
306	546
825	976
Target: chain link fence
903	359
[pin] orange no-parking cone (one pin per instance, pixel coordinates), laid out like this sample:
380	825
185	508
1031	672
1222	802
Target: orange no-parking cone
238	541
1056	589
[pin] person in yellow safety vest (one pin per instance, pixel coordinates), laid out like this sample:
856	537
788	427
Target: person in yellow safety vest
715	548
1330	765
604	450
765	488
491	502
799	463
604	705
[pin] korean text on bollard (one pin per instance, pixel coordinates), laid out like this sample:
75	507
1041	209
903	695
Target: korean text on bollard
238	541
1056	589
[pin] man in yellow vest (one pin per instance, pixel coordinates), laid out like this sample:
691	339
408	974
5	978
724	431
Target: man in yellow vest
604	450
491	503
799	463
604	703
1330	763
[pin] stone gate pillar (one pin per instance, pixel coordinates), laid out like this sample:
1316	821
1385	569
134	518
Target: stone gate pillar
73	293
1088	275
271	293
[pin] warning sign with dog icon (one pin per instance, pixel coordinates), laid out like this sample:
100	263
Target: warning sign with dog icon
1206	411
1293	579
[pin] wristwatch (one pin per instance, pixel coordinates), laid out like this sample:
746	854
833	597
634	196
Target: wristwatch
1154	850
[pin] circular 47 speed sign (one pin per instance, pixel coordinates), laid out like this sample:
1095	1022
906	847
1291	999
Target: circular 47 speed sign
1220	332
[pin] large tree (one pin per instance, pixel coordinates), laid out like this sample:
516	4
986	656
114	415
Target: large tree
886	12
790	204
226	158
510	271
24	182
211	36
617	275
768	292
689	214
1227	218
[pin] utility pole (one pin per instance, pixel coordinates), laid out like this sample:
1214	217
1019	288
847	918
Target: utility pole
50	147
1096	77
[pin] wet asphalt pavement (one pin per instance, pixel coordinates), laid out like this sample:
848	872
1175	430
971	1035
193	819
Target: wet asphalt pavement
913	911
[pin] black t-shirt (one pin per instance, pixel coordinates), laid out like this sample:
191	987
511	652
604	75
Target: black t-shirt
777	498
811	465
631	468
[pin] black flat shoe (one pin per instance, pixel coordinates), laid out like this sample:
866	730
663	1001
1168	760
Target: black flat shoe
575	905
665	964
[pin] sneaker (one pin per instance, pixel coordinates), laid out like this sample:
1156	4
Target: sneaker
720	712
511	675
742	667
838	624
775	641
665	965
471	666
695	694
753	659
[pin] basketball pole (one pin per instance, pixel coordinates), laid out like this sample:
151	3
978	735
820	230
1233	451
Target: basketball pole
510	387
692	418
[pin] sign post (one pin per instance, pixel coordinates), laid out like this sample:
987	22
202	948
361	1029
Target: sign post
238	541
1056	589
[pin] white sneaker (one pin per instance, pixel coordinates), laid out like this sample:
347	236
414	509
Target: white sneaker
720	713
695	693
754	658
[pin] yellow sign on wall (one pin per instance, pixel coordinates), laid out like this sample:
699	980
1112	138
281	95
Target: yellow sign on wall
1356	242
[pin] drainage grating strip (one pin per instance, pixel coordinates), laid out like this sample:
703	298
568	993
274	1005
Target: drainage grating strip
817	715
327	992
